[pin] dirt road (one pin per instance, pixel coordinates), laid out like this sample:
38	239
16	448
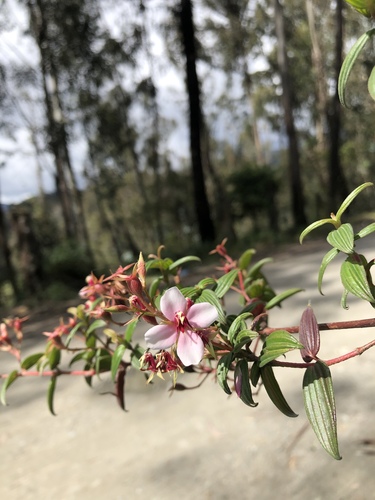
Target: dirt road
199	444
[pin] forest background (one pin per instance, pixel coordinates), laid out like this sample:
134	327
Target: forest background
270	147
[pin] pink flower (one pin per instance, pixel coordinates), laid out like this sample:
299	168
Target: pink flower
182	325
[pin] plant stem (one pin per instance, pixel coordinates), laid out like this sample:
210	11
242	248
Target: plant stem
336	325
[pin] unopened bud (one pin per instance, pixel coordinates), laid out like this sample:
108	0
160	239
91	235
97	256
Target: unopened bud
135	287
309	335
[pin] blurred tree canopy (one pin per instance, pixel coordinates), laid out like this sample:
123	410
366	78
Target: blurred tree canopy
268	141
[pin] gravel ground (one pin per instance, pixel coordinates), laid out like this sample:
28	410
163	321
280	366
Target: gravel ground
198	444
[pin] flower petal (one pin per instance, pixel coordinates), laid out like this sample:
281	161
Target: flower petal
172	302
190	348
202	315
161	336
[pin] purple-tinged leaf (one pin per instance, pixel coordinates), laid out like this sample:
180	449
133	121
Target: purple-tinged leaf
309	335
120	387
242	383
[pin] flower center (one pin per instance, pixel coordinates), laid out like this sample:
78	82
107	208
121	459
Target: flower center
181	321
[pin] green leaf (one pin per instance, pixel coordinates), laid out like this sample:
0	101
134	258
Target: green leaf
54	357
154	286
31	360
329	256
348	200
210	297
162	264
342	238
245	259
258	266
251	306
183	260
225	282
78	357
348	64
320	406
371	84
130	330
51	393
275	301
364	7
274	391
206	282
189	291
243	338
237	325
278	343
354	278
6	384
242	383
116	360
365	231
103	361
344	298
98	323
315	225
88	379
222	370
73	331
136	355
255	374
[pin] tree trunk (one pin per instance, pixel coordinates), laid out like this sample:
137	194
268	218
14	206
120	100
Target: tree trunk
338	189
319	77
298	209
66	186
5	249
203	213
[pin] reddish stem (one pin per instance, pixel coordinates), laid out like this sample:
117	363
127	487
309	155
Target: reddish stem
50	373
334	361
337	325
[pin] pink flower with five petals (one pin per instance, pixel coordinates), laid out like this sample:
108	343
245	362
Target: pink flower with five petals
182	326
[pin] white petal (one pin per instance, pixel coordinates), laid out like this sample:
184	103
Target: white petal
202	315
172	302
161	336
190	348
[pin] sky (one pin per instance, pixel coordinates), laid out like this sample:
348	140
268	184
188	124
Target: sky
18	162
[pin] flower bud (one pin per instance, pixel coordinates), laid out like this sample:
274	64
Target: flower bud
309	335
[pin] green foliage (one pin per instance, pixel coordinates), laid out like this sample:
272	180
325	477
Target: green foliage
68	264
320	406
348	64
253	190
278	343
